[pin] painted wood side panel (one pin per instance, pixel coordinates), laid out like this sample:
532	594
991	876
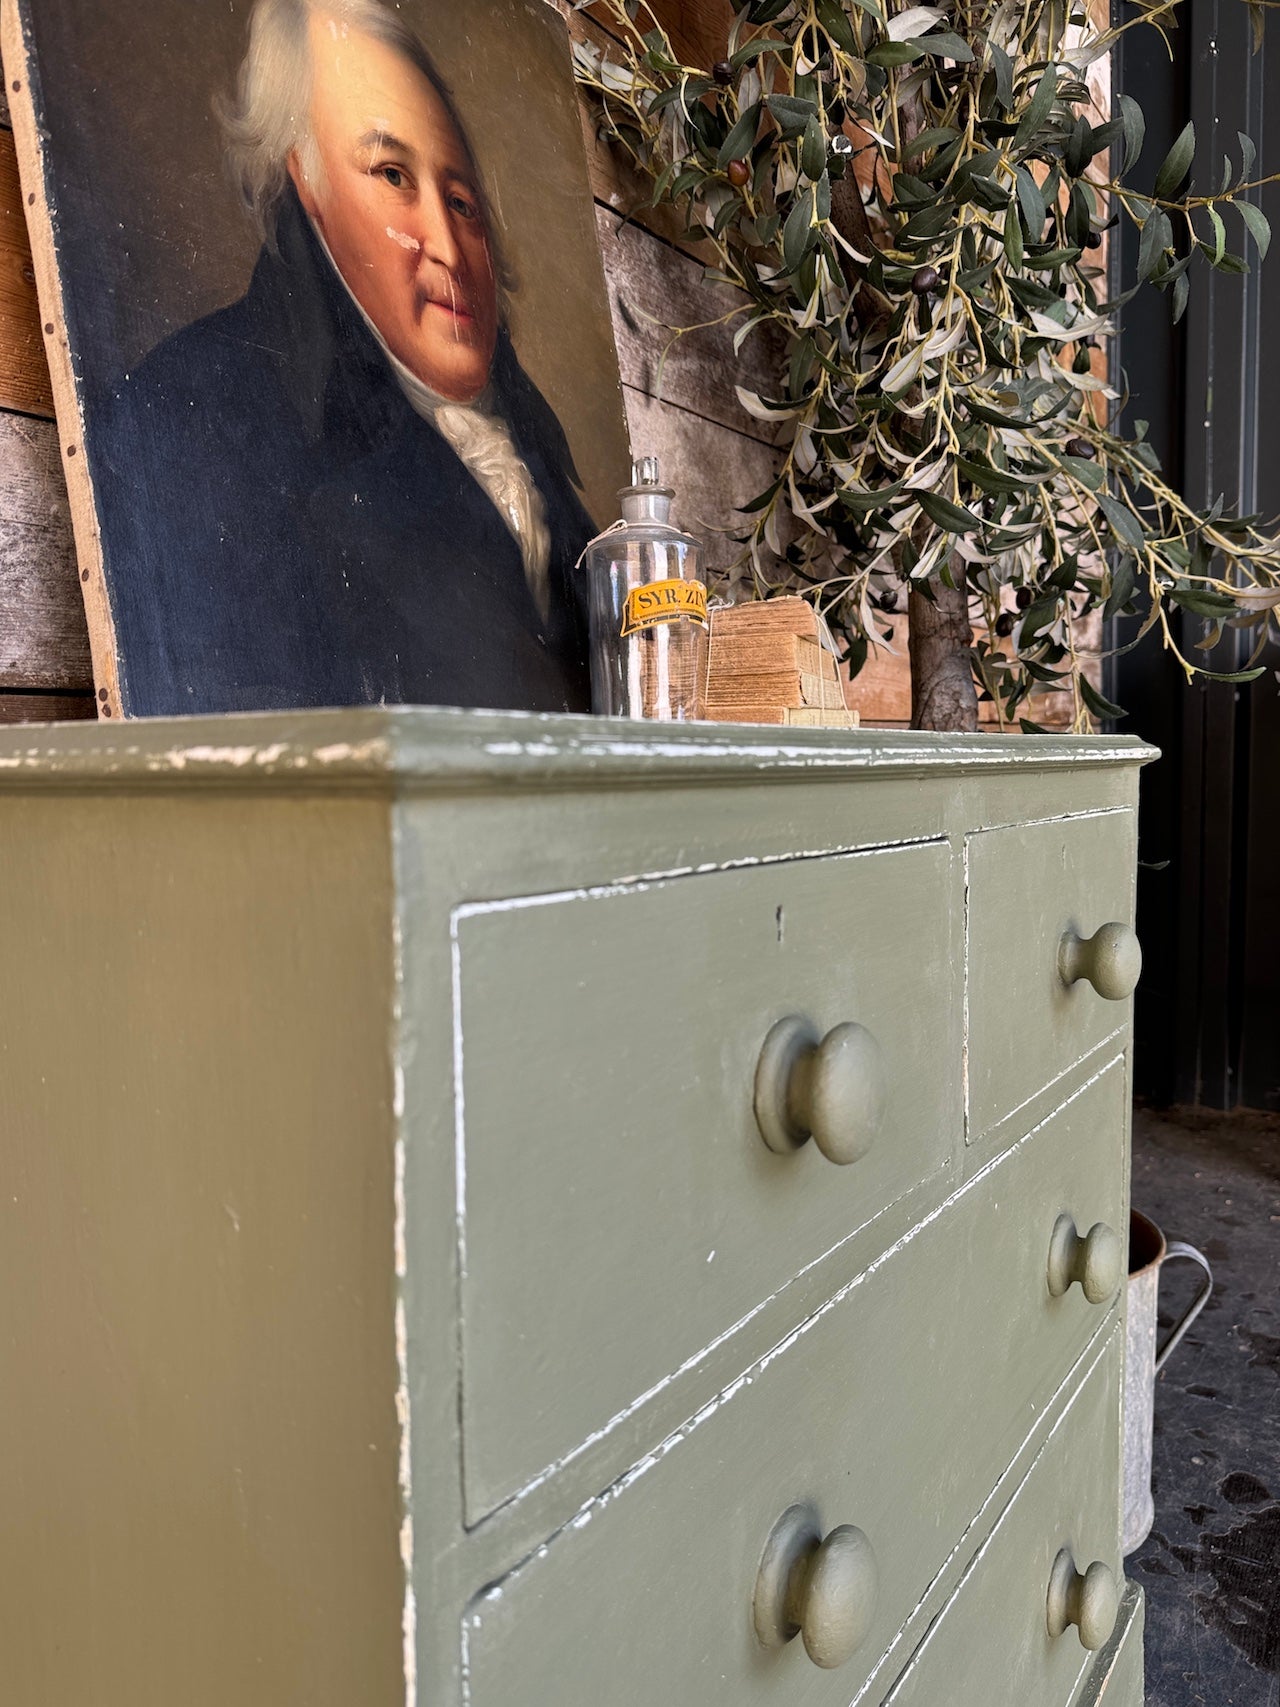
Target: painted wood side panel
622	1211
1027	885
896	1408
198	1462
991	1647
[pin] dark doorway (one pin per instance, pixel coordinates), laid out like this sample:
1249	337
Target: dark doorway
1206	1026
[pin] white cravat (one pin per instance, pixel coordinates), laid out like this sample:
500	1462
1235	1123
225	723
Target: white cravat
482	441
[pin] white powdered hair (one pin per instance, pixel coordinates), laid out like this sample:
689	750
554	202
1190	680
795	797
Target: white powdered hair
269	115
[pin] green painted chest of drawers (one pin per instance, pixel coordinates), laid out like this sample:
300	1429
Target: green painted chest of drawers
507	1212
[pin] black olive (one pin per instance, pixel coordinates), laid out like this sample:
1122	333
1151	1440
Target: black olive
925	280
1023	597
1006	622
722	71
1093	240
1081	447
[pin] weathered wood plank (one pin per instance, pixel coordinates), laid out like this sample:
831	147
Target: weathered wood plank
24	368
614	181
881	691
653	289
45	707
697	29
43	637
712	467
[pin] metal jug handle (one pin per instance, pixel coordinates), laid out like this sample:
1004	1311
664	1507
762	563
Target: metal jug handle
1177	1248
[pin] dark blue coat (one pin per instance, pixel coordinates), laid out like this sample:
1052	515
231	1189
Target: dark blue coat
281	529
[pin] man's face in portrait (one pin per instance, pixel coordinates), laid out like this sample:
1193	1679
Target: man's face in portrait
396	201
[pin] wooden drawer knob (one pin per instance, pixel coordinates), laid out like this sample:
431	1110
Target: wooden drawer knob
1097	1261
1091	1602
830	1089
1110	960
822	1590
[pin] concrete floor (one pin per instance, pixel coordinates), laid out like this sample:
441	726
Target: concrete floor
1211	1566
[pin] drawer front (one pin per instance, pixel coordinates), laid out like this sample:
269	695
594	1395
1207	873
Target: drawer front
1028	885
992	1646
896	1408
621	1210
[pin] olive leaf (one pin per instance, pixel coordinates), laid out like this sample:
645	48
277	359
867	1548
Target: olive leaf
1176	163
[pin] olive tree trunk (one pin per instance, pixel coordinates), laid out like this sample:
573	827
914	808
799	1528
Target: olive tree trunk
943	695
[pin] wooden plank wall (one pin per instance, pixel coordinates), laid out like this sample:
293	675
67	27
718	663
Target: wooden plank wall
44	645
687	414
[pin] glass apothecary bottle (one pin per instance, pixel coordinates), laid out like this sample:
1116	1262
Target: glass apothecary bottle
648	608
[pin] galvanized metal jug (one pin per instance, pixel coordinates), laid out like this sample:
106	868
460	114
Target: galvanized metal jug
1148	1251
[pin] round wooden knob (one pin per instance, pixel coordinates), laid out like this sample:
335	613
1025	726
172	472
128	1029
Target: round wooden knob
1091	1602
831	1089
821	1590
1110	960
1097	1261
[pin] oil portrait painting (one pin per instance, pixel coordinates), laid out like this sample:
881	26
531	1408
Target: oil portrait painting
336	355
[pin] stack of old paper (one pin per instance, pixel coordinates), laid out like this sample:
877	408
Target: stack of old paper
771	662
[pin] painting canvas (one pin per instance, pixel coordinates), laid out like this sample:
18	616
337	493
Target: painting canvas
330	343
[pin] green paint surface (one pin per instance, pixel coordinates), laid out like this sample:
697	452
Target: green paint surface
283	1385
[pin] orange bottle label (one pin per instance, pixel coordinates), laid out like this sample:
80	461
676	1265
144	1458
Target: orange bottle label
664	601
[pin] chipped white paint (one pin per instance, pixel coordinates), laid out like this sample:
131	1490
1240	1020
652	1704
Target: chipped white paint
408	1615
404	1419
1061	818
1008	1485
964	994
401	1241
475	909
1113	1037
404	240
459	1114
409	1638
1094	1048
352	753
551	898
641	882
178	758
692	1362
451	748
981	752
1023	1475
593	1507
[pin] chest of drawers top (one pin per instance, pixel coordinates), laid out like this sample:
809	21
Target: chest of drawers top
443	1038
